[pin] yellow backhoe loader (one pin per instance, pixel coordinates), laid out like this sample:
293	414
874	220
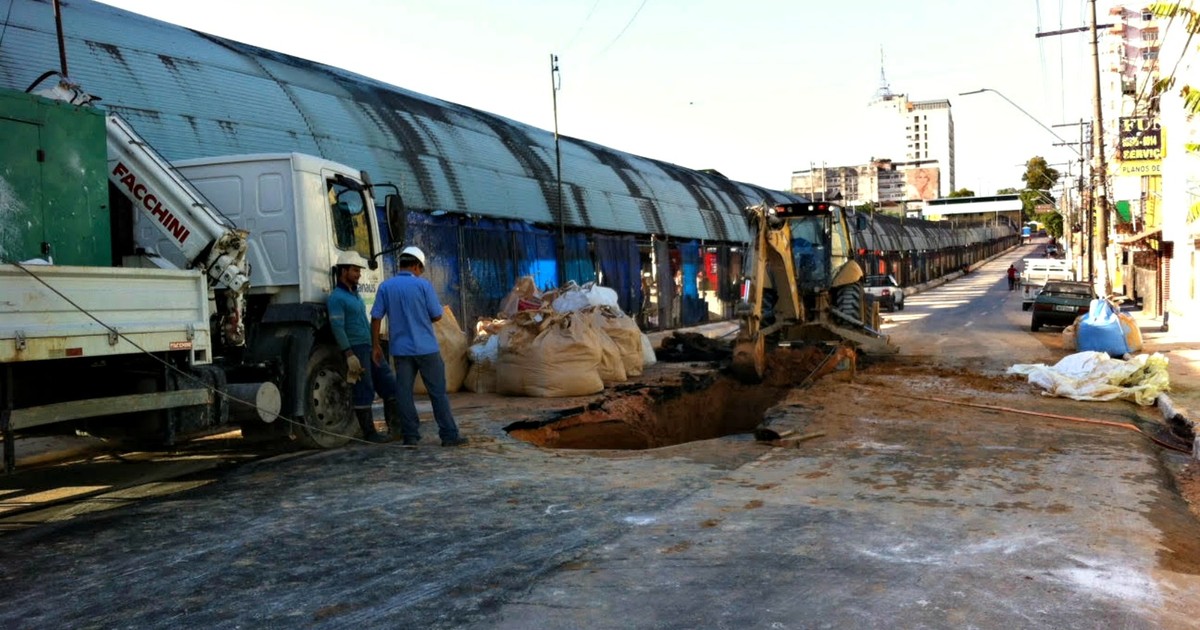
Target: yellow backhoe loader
803	285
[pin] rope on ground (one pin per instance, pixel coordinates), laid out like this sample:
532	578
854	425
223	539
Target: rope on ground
1042	414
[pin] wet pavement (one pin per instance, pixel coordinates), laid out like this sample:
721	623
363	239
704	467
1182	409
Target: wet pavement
903	511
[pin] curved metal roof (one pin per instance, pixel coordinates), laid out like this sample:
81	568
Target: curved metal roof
891	234
194	95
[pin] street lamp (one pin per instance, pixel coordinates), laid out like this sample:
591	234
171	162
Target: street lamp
1022	110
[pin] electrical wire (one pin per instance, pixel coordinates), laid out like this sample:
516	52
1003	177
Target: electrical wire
8	15
1142	92
191	377
579	30
626	28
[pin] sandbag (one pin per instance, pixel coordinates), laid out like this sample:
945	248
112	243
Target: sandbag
452	345
549	356
1068	338
572	298
481	378
569	300
1100	330
1133	334
524	296
624	332
649	357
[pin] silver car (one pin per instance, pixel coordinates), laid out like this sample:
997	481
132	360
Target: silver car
886	291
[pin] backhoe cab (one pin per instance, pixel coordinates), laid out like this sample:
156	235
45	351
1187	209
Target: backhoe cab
804	285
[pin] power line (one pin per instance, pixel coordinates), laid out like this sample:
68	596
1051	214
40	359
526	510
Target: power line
579	30
626	28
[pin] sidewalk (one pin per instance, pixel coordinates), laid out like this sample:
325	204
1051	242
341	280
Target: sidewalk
1180	344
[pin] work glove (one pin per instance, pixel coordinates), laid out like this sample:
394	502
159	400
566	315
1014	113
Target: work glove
354	369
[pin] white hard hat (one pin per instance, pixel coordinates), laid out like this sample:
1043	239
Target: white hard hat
415	252
351	259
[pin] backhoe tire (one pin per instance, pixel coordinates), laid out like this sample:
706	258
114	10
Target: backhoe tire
850	300
328	420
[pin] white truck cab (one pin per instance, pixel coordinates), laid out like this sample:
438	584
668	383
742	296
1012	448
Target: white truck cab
1036	272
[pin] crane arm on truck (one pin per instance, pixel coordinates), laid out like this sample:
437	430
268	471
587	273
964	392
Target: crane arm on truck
207	240
178	210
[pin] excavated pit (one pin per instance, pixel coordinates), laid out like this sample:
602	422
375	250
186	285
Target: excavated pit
700	406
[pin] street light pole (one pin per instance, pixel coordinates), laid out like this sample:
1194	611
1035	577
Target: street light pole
1022	110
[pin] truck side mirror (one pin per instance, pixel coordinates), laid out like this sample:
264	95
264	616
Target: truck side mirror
397	222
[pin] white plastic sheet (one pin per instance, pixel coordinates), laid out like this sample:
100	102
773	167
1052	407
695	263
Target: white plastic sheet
1097	376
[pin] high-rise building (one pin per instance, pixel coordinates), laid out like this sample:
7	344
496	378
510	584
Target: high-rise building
912	131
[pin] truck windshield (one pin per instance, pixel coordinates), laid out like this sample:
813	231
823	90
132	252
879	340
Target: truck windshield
348	208
810	250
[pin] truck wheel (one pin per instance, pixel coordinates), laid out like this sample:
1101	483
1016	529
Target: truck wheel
850	300
328	420
1035	325
1025	306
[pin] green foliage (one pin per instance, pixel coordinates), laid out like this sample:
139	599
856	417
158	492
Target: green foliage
1190	18
1007	191
962	192
1039	178
1053	223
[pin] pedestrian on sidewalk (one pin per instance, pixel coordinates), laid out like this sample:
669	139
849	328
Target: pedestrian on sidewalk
410	305
1012	277
352	332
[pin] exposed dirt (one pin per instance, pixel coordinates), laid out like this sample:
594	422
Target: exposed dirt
809	395
694	406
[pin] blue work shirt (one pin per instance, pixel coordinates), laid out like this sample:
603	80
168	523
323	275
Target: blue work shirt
348	318
410	305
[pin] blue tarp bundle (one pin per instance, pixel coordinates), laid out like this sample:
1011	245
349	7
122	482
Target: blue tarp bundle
1101	330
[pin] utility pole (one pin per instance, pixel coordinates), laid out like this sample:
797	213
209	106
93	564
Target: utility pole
1101	168
562	231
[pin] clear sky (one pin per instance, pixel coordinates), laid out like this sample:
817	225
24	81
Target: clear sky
753	88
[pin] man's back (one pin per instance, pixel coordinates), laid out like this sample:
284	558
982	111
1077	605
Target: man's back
410	305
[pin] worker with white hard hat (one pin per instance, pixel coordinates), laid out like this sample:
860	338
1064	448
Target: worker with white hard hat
411	306
352	332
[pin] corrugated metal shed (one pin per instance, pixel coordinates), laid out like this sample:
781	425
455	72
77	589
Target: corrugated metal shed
194	95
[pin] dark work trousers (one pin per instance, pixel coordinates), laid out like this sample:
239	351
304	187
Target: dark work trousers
433	374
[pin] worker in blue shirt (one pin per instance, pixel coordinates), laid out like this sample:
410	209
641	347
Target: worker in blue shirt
410	305
348	320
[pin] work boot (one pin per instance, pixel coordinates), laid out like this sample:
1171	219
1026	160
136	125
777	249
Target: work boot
458	441
367	423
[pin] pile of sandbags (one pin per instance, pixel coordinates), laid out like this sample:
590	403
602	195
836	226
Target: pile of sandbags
563	342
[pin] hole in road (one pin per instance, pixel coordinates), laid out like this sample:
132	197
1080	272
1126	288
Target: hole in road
700	407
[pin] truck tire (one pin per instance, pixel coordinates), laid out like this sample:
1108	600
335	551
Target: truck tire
1025	306
850	300
328	420
1034	324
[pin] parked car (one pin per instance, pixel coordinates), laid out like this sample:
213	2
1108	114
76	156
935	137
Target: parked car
886	291
1059	303
1052	251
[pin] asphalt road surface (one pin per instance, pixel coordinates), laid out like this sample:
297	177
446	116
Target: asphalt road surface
902	511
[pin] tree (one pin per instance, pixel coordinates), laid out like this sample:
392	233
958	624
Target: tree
1190	19
962	192
1007	191
1039	178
